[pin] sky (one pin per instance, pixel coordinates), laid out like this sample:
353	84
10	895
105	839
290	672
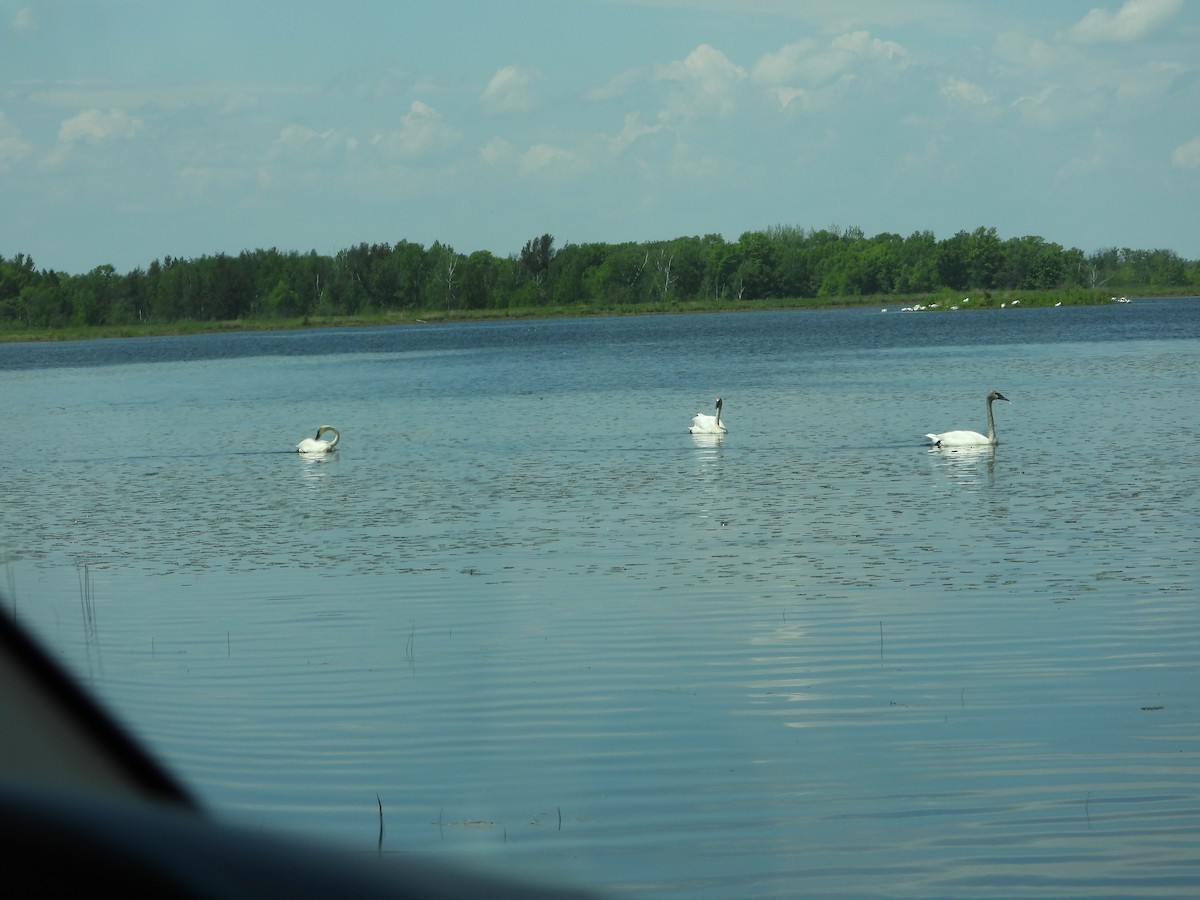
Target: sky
132	130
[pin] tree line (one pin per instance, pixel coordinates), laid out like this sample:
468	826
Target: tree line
782	262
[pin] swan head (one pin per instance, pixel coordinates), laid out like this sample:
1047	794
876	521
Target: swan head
996	395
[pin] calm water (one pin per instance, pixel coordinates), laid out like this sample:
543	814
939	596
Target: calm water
548	627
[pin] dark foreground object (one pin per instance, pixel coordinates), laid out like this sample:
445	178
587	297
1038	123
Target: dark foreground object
84	808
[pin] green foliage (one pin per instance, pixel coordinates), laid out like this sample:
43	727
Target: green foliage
783	262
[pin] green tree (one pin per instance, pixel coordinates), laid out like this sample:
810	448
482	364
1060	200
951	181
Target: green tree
952	268
43	305
621	278
535	258
756	263
569	270
919	264
537	254
282	301
477	281
406	269
984	257
442	287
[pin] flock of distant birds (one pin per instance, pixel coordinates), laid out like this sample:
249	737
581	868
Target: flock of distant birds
921	307
703	423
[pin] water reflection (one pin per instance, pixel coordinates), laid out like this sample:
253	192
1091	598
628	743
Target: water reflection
91	635
706	658
316	465
708	493
964	464
711	442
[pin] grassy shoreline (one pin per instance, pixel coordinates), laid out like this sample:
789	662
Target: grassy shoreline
944	301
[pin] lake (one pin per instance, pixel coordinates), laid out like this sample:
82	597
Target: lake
527	613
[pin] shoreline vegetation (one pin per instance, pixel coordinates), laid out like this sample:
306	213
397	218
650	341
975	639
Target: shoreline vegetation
783	267
927	304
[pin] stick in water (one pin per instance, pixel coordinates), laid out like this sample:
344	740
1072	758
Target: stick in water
379	846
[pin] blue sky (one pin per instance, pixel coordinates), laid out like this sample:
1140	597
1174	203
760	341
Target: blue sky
131	130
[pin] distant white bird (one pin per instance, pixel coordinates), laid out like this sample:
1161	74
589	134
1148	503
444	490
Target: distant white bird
706	424
969	438
318	444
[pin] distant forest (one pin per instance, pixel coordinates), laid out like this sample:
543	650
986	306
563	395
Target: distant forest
781	262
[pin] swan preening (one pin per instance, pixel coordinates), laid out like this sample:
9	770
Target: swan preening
318	444
970	438
706	424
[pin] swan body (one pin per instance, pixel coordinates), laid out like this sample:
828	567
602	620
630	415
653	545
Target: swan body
706	424
319	444
970	438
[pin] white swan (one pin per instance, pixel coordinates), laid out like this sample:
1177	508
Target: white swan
705	424
318	444
969	438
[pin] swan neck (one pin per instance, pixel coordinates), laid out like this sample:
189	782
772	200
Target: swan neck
329	429
991	423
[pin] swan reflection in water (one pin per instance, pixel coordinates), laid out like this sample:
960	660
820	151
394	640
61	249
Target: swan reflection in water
709	495
710	440
318	444
317	466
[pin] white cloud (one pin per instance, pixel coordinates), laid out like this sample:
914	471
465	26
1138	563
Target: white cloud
97	126
959	90
510	90
301	138
860	44
811	75
591	153
789	95
422	132
24	21
546	159
1187	156
631	130
1135	19
619	86
704	83
808	63
793	62
1040	107
1019	53
497	152
12	147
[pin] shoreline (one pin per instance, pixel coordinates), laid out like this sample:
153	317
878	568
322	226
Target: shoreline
941	302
